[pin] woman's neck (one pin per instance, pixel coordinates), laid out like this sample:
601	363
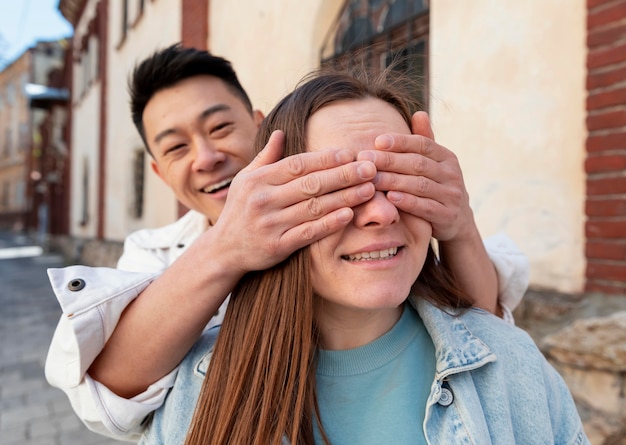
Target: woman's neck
346	328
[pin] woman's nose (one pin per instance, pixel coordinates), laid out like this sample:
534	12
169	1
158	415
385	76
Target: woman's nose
207	156
377	212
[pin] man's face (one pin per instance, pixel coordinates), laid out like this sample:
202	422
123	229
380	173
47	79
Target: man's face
201	135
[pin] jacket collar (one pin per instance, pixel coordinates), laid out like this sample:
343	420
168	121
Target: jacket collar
457	349
182	232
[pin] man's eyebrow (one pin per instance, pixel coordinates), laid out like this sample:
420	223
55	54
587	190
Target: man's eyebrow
203	116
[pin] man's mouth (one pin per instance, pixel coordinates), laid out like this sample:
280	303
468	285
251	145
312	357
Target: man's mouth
217	186
384	254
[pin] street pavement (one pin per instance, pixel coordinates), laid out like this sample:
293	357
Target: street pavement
31	411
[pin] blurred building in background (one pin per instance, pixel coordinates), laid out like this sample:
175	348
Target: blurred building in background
33	153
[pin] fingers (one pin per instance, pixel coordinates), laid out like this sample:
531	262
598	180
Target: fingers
318	207
420	125
272	151
310	231
284	188
292	167
443	219
410	164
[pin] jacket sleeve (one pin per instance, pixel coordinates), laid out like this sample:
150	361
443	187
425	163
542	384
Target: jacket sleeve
513	271
565	419
92	300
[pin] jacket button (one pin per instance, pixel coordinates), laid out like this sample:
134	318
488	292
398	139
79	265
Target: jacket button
447	397
76	285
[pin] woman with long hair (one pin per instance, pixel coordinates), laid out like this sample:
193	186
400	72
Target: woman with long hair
363	337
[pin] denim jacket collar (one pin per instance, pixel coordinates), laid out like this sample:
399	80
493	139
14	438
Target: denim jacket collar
457	349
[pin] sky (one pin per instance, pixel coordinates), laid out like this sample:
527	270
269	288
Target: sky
24	22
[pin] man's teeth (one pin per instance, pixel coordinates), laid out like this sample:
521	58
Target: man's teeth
214	187
374	255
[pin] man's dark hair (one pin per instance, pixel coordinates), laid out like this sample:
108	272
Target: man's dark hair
167	67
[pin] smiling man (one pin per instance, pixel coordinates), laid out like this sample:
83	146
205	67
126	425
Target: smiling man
121	337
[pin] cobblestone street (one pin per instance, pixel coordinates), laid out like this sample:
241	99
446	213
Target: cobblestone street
31	411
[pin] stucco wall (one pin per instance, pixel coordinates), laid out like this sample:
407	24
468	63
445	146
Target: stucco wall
85	144
281	42
159	26
507	83
85	137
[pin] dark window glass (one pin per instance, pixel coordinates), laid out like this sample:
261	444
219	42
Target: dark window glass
377	33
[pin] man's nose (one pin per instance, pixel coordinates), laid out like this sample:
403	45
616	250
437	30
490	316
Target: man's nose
377	212
206	155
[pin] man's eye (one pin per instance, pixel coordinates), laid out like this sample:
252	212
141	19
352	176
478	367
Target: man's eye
174	148
220	128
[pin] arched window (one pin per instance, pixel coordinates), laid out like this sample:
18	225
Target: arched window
379	32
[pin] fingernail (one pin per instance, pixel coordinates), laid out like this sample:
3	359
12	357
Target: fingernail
344	215
365	190
394	196
384	141
366	170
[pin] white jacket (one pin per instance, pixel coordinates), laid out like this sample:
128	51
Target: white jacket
93	299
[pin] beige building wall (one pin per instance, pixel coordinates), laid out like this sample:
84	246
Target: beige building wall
157	27
507	82
85	137
84	167
281	43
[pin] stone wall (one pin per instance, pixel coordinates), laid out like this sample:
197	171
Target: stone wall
584	337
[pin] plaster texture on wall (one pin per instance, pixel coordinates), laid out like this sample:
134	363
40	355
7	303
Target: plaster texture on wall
85	146
85	136
507	83
157	28
272	44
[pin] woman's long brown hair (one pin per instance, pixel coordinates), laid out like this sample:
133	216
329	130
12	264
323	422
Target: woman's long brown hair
260	384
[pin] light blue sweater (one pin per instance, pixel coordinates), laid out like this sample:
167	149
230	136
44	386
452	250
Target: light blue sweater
377	394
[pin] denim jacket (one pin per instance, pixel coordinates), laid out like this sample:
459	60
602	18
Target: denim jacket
492	386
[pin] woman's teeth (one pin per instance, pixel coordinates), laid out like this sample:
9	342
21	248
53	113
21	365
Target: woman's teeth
374	255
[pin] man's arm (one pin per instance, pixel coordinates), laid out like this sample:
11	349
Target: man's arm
424	178
274	207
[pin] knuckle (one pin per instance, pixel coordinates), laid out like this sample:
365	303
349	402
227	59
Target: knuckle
295	165
428	146
307	233
457	195
258	201
314	207
311	185
430	208
346	174
420	164
421	185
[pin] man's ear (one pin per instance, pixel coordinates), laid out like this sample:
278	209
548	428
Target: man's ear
155	168
258	117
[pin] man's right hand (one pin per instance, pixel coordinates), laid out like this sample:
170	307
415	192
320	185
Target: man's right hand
276	206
